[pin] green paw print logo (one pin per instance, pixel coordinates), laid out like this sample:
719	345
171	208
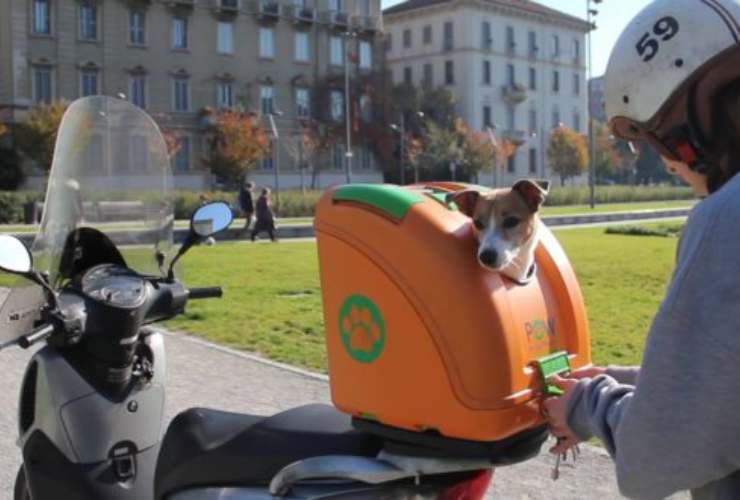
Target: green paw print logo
362	329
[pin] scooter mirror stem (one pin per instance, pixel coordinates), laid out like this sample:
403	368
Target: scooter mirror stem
191	240
40	280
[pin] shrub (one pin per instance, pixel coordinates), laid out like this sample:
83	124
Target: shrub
664	230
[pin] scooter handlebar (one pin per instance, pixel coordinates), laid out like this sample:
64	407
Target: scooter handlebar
35	336
212	292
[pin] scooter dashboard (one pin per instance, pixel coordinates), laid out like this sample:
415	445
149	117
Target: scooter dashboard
114	286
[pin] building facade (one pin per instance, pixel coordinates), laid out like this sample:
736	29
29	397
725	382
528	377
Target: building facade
182	59
513	66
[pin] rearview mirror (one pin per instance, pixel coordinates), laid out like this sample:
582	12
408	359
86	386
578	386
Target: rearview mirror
211	218
14	256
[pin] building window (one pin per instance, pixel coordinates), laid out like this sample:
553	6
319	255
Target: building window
486	36
338	156
267	100
576	84
364	7
427	35
449	72
388	42
137	90
532	121
532	161
336	51
337	105
555	118
366	108
88	21
532	78
408	76
41	17
267	43
577	51
511	118
449	36
511	164
182	156
179	33
42	92
181	92
510	75
556	81
366	158
555	46
486	72
532	44
137	27
301	46
335	5
487	120
406	39
510	40
89	82
428	75
225	95
266	163
225	38
577	121
366	55
302	103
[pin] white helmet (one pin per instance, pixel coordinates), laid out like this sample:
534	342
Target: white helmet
665	70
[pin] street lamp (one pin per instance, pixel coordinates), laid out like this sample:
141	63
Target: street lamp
401	129
591	13
276	155
348	153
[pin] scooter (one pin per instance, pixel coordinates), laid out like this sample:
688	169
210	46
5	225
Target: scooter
92	397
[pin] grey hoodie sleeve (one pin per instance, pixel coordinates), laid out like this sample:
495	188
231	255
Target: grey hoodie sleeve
624	374
678	428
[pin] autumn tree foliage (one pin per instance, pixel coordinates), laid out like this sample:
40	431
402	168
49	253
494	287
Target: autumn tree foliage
36	137
237	142
567	153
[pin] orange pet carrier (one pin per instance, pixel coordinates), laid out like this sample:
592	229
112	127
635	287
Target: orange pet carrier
420	336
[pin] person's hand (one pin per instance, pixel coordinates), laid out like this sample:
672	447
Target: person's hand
587	372
556	410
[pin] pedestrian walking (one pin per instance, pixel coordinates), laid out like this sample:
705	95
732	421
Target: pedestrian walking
246	203
265	218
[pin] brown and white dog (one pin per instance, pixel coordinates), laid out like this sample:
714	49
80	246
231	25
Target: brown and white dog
506	224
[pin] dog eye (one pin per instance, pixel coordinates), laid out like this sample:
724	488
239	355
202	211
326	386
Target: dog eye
479	225
511	222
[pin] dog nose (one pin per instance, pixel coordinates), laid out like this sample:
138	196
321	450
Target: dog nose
488	257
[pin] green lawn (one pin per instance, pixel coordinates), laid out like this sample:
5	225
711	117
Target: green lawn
272	302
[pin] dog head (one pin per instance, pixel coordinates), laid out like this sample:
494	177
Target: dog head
505	222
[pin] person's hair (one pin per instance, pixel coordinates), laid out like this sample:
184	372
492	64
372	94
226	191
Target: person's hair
725	148
265	191
249	185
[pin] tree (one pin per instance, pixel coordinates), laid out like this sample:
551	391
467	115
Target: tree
567	153
607	160
303	147
237	141
649	167
36	137
478	152
11	173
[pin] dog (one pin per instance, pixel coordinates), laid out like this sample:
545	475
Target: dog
506	225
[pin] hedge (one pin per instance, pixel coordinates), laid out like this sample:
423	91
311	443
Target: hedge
295	204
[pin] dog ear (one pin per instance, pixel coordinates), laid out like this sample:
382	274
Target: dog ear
533	192
465	200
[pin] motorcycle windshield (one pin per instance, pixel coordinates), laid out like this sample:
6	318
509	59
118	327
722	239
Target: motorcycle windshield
110	172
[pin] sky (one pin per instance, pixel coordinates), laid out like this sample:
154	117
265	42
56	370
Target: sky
612	18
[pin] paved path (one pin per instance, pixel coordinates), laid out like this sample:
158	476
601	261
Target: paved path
200	374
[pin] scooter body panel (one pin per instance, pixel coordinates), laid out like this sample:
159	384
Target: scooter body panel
106	448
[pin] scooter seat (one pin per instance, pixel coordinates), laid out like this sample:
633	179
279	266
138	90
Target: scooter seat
205	447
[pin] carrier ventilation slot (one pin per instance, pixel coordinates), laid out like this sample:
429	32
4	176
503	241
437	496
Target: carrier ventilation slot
28	398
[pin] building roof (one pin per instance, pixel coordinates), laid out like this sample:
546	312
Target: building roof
526	6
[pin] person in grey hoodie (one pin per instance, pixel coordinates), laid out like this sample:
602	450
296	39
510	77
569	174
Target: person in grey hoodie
673	423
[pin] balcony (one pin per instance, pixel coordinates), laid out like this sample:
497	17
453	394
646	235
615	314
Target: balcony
336	19
514	93
226	6
181	4
367	24
516	137
299	14
267	10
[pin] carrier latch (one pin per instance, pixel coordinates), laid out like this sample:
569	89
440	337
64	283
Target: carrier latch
553	364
